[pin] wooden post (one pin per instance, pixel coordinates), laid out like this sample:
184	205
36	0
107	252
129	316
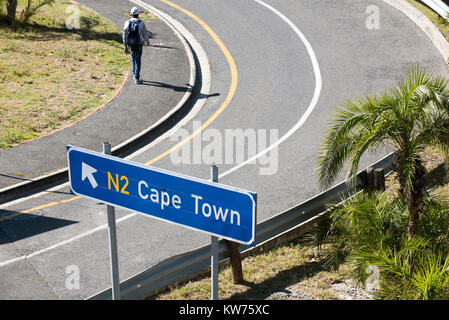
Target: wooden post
364	179
379	179
370	178
236	262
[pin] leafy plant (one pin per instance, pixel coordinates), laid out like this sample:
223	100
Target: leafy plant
369	231
413	272
409	117
360	221
31	9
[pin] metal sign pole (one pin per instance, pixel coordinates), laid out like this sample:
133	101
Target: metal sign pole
214	248
112	240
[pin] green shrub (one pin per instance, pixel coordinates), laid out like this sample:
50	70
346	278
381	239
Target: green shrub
416	271
31	9
370	232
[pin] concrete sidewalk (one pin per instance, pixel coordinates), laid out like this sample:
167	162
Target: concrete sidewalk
166	73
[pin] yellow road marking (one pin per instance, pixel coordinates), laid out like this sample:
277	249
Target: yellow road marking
232	89
50	204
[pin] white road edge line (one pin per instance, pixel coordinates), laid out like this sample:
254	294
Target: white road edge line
81	235
313	103
205	71
185	36
302	120
182	33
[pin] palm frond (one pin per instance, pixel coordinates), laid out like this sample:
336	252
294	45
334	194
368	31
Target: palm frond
396	116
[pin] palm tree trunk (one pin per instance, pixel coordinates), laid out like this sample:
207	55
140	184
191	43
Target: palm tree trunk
416	197
11	7
413	215
396	168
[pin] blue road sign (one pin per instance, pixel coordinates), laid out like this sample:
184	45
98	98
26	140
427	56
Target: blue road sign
214	208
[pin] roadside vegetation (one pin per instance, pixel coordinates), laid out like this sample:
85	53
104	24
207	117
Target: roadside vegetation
305	269
271	274
439	22
391	245
52	76
145	15
396	242
404	236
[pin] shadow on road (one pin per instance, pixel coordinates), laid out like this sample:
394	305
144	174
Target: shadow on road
24	225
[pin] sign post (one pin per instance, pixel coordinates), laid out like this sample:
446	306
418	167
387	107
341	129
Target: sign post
112	239
207	206
214	248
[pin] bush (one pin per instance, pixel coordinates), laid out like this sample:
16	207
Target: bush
361	220
370	232
413	272
31	9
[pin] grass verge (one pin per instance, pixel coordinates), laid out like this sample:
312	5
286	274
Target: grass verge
441	24
51	76
292	271
145	16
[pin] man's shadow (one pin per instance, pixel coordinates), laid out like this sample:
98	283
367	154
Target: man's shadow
166	86
176	88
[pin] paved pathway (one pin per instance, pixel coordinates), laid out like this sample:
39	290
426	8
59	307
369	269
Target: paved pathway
166	74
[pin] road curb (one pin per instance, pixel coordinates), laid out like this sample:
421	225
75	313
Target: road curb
424	24
123	149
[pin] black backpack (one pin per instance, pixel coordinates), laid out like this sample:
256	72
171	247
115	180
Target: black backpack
133	35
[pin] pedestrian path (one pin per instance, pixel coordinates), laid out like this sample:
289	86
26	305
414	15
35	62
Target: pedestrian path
165	74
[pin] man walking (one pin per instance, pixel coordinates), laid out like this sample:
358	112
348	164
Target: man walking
135	35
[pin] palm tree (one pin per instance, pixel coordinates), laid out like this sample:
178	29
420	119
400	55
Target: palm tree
11	7
409	117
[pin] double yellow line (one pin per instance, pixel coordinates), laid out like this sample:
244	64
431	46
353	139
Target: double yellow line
232	89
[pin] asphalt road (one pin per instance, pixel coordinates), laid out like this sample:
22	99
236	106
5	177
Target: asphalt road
276	87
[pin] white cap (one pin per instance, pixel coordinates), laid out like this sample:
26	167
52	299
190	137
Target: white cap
135	11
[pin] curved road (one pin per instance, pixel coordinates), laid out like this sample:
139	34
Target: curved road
282	65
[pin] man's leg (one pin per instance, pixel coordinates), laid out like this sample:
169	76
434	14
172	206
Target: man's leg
133	62
138	62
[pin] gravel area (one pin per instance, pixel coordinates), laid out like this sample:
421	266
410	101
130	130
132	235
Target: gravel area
343	290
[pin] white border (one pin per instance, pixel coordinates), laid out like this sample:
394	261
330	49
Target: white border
170	173
313	102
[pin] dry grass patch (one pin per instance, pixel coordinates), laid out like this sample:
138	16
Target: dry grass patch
265	273
438	21
51	76
293	271
145	16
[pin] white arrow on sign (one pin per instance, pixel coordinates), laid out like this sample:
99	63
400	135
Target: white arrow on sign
87	172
